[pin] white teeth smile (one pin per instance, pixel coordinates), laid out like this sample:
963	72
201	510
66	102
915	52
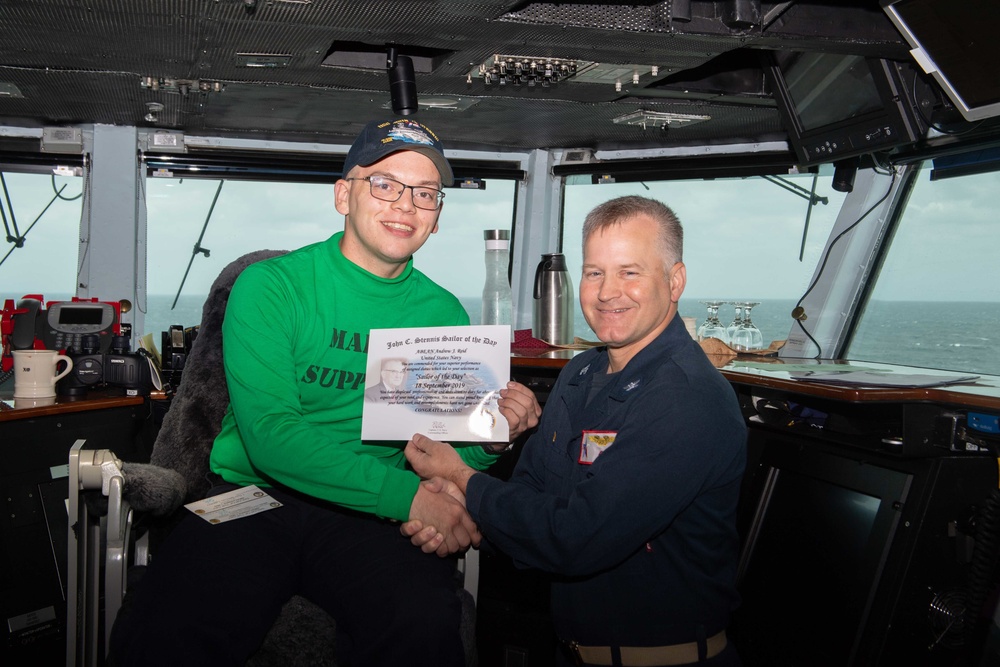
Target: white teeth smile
400	227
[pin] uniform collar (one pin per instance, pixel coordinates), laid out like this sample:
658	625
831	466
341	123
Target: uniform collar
642	367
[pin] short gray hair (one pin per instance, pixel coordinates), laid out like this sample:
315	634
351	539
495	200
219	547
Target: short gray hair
616	211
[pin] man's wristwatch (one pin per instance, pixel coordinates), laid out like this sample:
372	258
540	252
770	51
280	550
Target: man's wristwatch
489	448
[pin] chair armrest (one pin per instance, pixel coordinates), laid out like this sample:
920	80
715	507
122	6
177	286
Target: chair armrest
150	488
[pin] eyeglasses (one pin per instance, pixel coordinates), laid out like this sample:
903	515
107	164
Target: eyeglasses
389	189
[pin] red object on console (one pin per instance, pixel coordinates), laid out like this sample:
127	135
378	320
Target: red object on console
524	340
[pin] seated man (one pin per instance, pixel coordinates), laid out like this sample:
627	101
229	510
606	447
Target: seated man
295	350
627	492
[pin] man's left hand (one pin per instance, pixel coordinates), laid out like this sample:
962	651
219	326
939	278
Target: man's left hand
519	407
430	458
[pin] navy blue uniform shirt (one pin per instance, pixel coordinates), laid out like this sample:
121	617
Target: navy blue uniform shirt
642	542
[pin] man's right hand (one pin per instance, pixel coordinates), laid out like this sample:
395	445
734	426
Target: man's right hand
432	506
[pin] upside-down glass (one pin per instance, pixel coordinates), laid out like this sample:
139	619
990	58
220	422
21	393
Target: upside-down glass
748	336
737	319
712	327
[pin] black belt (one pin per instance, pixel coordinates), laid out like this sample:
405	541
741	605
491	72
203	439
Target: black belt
649	656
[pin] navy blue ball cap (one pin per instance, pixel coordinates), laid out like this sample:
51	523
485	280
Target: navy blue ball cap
384	137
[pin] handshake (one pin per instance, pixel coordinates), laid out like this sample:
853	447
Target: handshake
439	522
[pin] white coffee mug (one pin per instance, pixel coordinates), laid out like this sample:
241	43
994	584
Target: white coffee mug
22	402
35	372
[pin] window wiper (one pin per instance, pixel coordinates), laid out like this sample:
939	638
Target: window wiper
16	238
797	189
197	244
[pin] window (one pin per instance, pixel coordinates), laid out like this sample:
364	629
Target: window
46	210
936	300
455	257
253	215
742	238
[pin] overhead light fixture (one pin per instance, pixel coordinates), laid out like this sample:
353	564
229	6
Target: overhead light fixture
8	89
615	73
660	119
181	86
442	103
268	60
502	70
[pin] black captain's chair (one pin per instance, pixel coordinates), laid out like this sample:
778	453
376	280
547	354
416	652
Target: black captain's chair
303	634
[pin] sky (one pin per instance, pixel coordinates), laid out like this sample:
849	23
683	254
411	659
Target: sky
742	237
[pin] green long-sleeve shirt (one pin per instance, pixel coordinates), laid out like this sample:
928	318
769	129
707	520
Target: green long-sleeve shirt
295	343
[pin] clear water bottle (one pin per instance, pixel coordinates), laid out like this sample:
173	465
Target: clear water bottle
496	291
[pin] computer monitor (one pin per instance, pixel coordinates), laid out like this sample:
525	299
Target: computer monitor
814	556
955	42
836	105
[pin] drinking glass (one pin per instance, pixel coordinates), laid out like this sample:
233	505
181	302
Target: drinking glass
712	327
748	337
737	319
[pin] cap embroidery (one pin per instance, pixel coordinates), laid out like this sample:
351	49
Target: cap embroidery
410	133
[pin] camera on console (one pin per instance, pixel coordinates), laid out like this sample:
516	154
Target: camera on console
94	370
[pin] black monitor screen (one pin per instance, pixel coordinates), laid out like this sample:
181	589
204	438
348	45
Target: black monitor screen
829	88
960	40
836	106
817	550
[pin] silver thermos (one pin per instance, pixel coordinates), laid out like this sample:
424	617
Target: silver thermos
553	312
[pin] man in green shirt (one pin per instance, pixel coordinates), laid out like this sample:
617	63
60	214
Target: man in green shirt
295	349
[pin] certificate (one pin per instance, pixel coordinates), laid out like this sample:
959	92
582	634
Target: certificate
443	382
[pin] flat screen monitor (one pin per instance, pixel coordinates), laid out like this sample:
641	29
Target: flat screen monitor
955	42
814	557
836	105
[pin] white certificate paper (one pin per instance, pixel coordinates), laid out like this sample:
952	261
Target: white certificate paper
442	382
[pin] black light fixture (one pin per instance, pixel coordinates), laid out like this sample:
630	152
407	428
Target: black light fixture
844	173
402	82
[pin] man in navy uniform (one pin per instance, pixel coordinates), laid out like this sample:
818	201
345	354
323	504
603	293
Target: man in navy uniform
627	491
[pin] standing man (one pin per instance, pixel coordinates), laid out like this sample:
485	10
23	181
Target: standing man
627	492
295	351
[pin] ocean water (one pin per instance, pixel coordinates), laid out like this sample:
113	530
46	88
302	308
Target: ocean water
960	336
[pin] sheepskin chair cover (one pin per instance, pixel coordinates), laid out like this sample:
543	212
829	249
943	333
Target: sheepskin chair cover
303	635
195	415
